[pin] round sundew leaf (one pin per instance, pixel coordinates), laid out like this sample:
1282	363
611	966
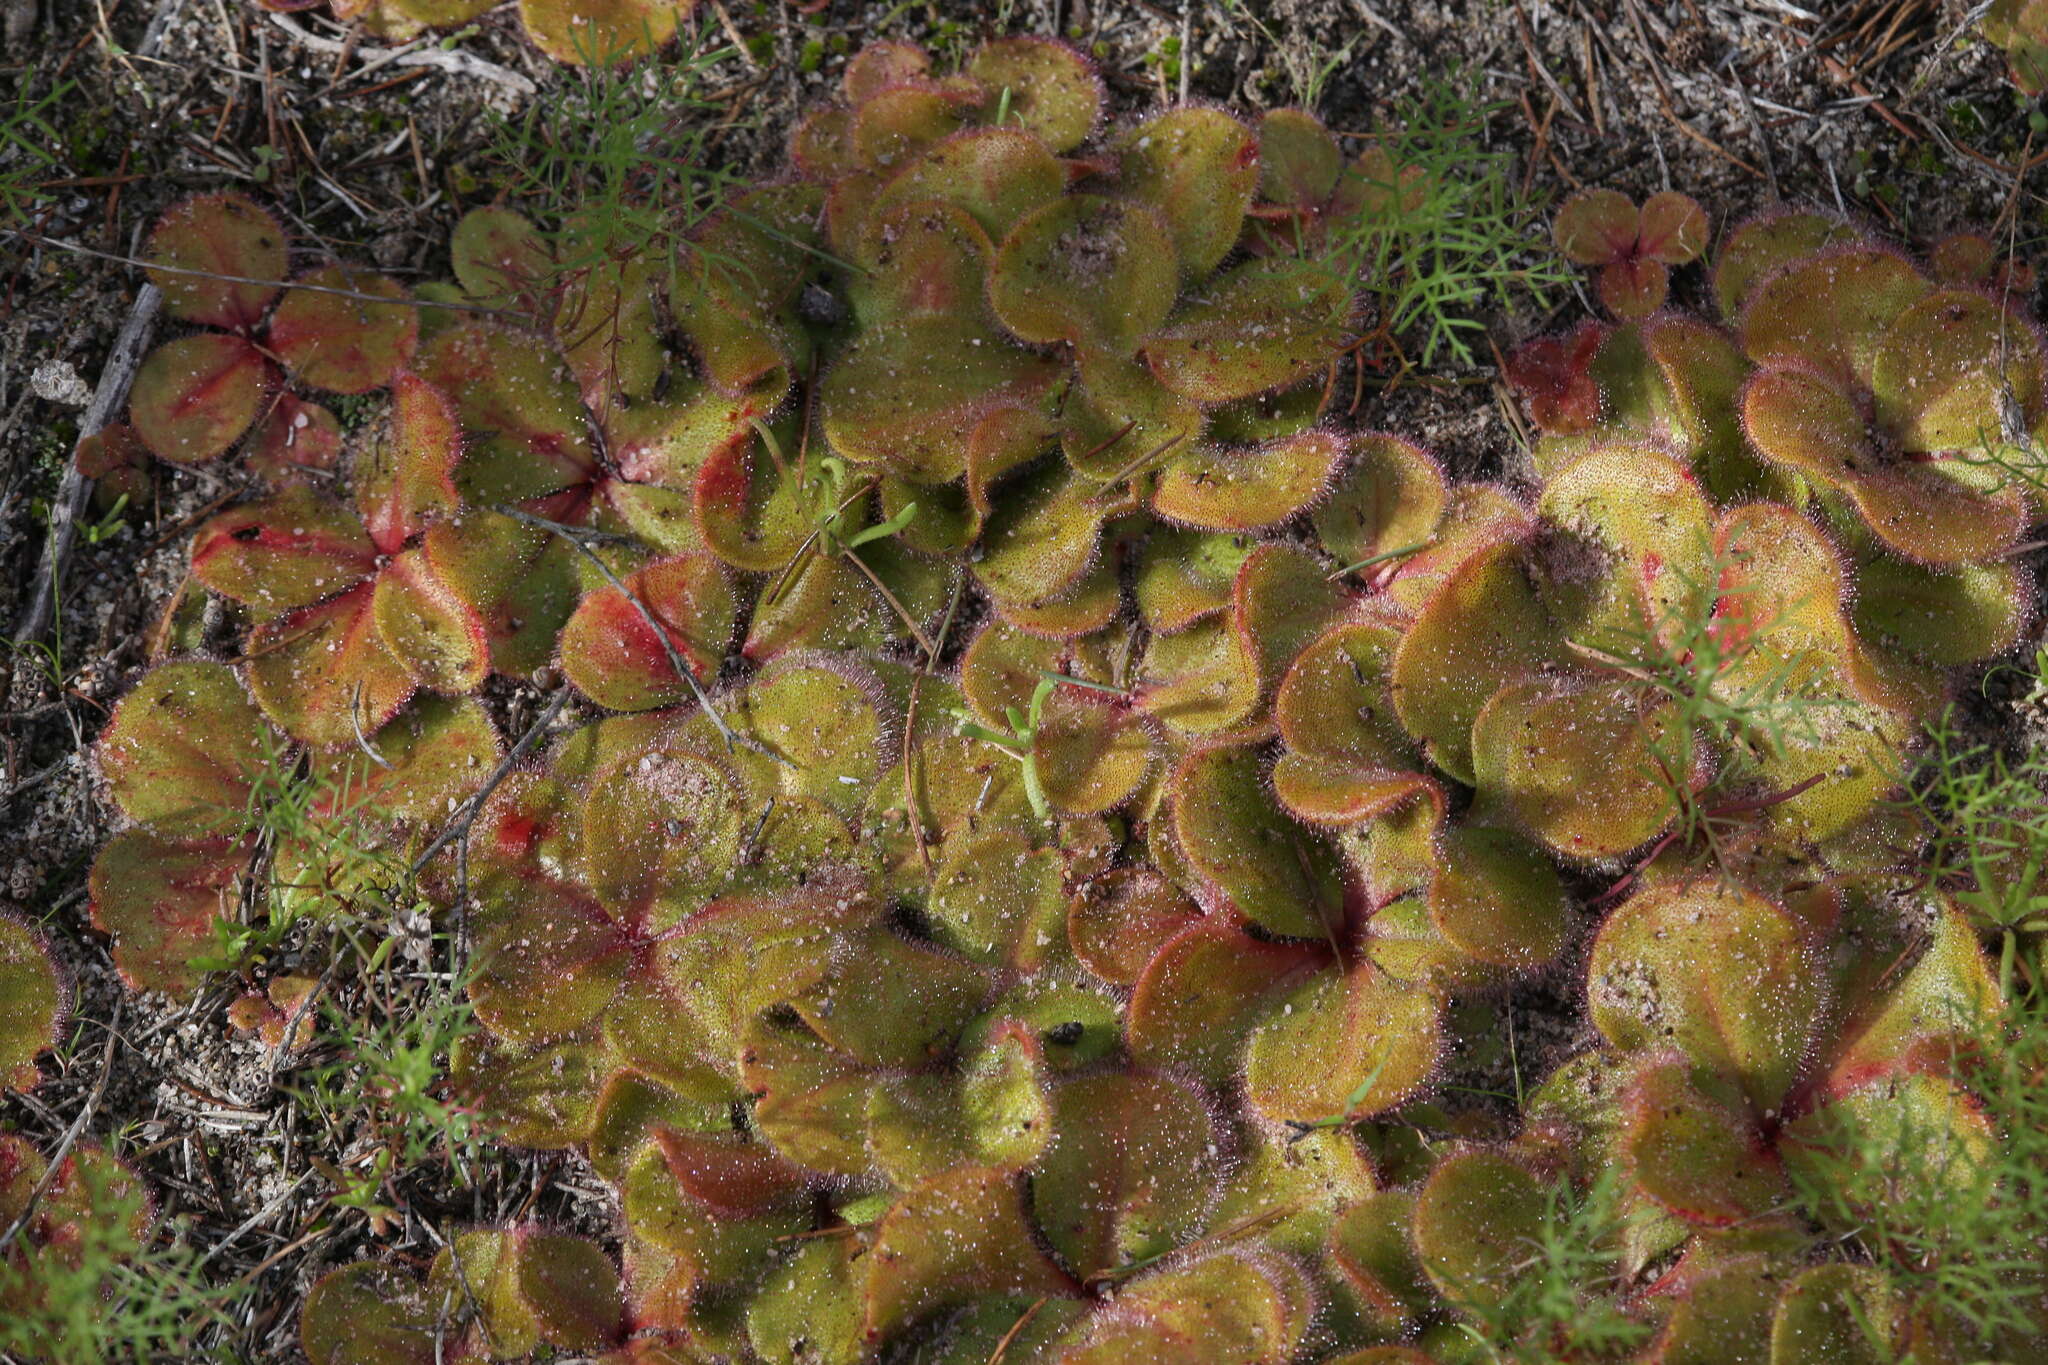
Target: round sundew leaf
810	1101
1276	874
1919	509
1370	1247
908	395
1829	1313
1634	289
183	748
1003	1102
572	1289
1497	898
749	512
519	580
344	342
600	32
1763	245
322	673
1535	741
824	719
1120	420
607	324
1215	489
1185	575
293	438
1714	970
997	899
438	639
499	255
1201	680
195	396
1933	1011
934	995
1830	311
997	175
217	235
33	1003
1476	1218
288	550
957	1237
879	65
613	656
665	827
551	960
1333	702
1946	617
479	1270
1232	1304
438	753
1625	539
1940	376
1351	1044
808	1311
1093	752
1388	498
1198	167
1856	1143
1003	666
1281	601
1673	228
1299	162
544	1097
160	900
1119	921
1086	608
406	475
892	127
1204	991
1043	85
1483	627
519	404
367	1314
1265	325
1087	270
1597	227
1041	536
1701	1159
1130	1173
1340	792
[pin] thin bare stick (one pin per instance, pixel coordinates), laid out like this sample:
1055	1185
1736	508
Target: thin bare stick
122	363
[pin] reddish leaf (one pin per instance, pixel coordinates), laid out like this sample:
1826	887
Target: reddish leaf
407	475
322	672
613	656
33	1003
194	397
295	436
160	899
346	341
183	749
288	550
217	235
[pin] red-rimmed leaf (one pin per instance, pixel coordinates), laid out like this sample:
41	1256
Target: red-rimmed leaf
955	1238
340	334
1672	228
572	1289
293	438
1086	270
33	1003
550	959
1265	325
499	255
1120	920
434	635
613	655
217	235
322	672
1275	873
520	580
1043	84
183	749
194	397
1131	1170
733	1178
1354	1044
368	1314
1476	1219
1203	992
599	32
288	550
1597	227
160	899
1198	167
407	475
520	405
1702	1159
1216	489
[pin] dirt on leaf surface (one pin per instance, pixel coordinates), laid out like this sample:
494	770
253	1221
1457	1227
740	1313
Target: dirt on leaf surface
1888	110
